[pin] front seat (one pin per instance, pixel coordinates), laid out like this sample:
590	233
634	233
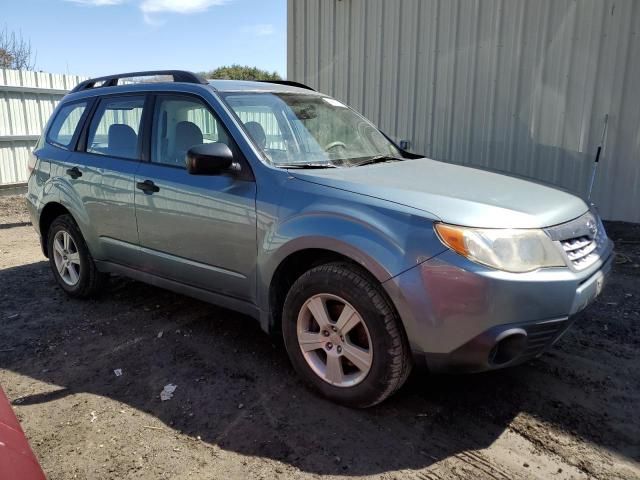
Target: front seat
122	141
188	134
257	133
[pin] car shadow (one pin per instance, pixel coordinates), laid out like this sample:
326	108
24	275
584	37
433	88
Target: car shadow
237	390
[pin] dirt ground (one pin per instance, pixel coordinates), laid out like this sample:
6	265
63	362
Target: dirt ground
239	411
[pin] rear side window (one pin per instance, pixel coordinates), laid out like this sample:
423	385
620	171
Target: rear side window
115	127
65	124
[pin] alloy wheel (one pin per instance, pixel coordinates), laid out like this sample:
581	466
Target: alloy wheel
334	340
66	258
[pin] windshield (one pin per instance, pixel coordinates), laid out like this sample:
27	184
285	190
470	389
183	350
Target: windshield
295	129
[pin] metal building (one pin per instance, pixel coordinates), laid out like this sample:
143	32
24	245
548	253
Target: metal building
521	86
26	102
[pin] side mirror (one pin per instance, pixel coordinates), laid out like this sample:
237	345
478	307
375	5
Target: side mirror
208	159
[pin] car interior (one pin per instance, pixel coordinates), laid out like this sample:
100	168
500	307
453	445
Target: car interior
179	125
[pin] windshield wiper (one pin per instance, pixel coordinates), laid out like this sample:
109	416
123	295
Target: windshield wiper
379	159
305	165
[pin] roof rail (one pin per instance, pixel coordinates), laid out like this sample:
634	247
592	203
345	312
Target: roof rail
112	80
290	83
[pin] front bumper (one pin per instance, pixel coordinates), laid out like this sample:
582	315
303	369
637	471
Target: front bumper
461	316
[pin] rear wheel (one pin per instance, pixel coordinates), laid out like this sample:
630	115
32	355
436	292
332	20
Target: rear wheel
69	258
344	337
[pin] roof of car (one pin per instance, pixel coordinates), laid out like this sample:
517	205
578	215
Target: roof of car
253	86
222	86
159	80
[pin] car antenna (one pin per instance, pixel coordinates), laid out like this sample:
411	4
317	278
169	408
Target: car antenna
597	159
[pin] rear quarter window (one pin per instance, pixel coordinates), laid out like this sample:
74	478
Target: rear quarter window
65	124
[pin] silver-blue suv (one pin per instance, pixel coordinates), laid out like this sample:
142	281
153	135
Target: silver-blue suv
285	204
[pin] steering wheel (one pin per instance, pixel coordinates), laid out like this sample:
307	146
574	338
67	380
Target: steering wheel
336	144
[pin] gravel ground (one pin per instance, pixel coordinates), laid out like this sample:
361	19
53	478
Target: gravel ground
239	411
13	212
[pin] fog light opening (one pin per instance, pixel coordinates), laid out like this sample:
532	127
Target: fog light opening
508	348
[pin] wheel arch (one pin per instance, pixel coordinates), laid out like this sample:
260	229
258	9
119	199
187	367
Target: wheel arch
62	198
315	236
293	265
50	212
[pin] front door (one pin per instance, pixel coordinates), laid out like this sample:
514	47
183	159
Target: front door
199	230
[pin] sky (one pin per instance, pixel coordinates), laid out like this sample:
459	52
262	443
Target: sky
100	37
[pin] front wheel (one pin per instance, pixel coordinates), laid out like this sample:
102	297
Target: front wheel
344	337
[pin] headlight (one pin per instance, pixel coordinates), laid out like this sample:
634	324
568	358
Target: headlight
511	250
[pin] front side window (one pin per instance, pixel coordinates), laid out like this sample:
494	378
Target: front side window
303	129
180	123
115	127
65	124
262	124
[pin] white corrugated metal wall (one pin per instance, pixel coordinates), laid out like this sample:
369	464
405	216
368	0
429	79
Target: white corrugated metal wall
26	102
516	85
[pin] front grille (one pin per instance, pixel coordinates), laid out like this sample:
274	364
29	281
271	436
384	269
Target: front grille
580	251
582	240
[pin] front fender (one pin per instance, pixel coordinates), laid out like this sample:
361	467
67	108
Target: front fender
385	238
375	249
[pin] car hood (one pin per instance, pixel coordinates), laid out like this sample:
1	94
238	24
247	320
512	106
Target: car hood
454	193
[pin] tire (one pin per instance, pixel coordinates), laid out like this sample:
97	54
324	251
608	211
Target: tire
88	281
340	290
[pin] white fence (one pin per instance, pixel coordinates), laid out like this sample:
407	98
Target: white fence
26	102
27	99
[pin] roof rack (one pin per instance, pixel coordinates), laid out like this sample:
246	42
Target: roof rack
290	83
112	80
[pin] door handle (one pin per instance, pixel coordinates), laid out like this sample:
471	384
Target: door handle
74	172
147	186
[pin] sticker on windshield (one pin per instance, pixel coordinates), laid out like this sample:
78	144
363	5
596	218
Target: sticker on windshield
333	102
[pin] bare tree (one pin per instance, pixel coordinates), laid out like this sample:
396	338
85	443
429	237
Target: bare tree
15	51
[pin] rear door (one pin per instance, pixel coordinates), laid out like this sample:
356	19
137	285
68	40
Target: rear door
199	230
107	158
55	153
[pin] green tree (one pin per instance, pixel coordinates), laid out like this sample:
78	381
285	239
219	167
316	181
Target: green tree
240	72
